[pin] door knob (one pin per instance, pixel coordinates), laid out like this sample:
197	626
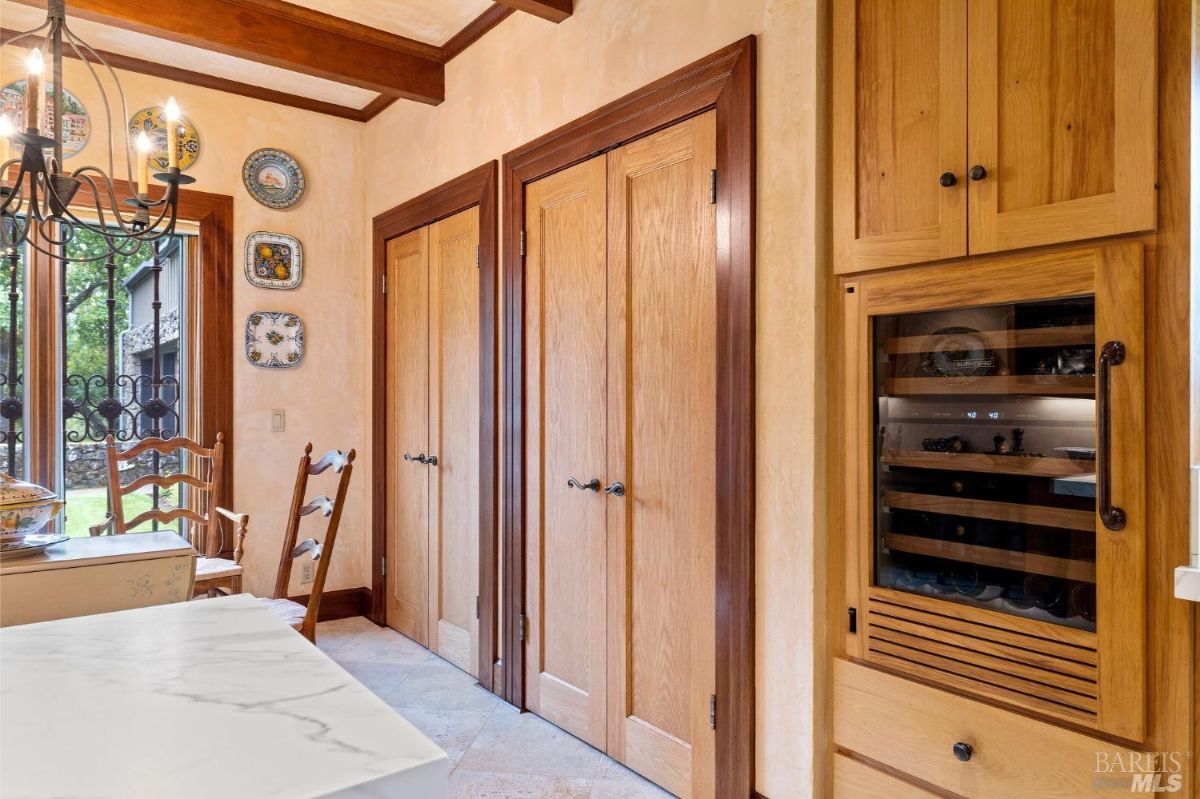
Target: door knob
591	485
616	490
977	172
947	180
415	458
963	751
431	460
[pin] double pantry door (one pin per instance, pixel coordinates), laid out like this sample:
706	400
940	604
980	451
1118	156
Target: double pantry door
620	425
433	437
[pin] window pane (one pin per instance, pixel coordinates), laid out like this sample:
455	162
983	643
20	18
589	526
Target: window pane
12	362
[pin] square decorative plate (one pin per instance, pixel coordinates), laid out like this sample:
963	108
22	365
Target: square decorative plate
274	339
274	260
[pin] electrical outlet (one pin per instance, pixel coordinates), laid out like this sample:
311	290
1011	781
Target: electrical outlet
306	572
277	420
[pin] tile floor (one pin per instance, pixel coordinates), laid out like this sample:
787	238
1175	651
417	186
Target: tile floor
495	752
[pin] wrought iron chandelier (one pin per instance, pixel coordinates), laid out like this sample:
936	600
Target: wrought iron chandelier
40	203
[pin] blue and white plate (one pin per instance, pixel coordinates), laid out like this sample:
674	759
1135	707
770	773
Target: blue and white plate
274	339
273	178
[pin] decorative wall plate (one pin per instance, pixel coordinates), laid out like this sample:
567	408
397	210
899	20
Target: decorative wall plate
274	260
151	120
274	339
273	178
76	124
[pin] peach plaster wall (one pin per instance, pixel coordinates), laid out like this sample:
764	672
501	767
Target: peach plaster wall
324	397
527	77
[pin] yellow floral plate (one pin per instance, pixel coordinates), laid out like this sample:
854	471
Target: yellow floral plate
152	122
274	260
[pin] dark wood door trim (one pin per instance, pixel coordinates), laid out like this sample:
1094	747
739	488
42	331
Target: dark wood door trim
477	187
724	81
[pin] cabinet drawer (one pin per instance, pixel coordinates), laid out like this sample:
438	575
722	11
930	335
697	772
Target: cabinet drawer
914	728
855	780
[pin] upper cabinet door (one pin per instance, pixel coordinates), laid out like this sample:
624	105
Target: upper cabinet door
1063	120
899	125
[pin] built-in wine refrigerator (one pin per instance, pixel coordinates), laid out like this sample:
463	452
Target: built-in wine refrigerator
997	435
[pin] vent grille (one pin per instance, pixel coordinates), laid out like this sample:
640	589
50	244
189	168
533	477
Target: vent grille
1020	668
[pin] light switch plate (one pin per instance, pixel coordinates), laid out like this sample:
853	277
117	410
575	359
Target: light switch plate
306	572
277	420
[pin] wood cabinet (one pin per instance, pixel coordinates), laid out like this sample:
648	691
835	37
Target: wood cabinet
975	126
433	401
620	424
998	436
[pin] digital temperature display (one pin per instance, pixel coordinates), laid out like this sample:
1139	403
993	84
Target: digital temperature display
991	416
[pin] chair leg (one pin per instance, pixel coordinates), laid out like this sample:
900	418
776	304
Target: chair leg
235	584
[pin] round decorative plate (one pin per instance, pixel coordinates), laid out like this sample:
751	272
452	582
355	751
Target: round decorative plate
30	545
273	178
152	122
76	124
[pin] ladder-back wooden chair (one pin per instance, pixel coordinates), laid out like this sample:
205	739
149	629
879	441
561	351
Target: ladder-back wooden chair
298	616
214	574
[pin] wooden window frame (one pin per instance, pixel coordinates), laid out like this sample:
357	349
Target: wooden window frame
724	81
210	365
477	187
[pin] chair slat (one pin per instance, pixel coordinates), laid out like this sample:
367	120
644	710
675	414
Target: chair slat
165	516
165	481
323	504
165	446
334	458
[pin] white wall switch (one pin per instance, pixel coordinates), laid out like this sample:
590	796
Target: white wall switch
277	420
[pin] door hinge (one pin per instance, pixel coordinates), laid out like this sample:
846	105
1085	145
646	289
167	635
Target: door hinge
383	283
476	256
383	566
477	606
712	712
854	620
521	628
712	187
522	243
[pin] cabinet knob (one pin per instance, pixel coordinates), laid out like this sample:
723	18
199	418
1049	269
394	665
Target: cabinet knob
615	490
963	751
977	172
590	485
947	180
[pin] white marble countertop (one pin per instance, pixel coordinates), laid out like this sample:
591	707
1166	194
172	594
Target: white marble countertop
213	698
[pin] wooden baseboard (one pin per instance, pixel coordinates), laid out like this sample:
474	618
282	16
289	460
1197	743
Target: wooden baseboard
341	604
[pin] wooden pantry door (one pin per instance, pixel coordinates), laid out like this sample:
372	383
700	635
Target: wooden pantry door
565	434
662	361
408	433
454	439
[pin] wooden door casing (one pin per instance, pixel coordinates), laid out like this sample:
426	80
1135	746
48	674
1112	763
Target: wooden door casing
565	424
662	366
454	439
408	432
1062	108
899	117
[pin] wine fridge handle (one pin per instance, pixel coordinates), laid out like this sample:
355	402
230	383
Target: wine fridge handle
1111	354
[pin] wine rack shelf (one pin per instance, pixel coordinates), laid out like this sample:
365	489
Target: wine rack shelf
1066	568
1024	385
991	464
1071	335
1062	518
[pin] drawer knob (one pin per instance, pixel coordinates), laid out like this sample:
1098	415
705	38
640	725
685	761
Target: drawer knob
947	180
963	751
977	172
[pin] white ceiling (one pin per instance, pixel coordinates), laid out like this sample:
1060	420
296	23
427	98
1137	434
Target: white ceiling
14	16
429	21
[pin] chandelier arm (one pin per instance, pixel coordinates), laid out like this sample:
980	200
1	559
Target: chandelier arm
16	37
125	226
17	192
76	43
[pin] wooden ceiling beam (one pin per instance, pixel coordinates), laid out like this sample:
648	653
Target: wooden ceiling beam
277	33
553	10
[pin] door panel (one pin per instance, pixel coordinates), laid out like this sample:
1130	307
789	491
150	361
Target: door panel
454	439
565	429
1063	120
661	445
900	123
408	432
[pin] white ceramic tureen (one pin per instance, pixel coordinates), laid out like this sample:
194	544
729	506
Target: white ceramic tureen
25	508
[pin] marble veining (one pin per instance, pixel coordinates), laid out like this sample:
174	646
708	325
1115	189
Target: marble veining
209	698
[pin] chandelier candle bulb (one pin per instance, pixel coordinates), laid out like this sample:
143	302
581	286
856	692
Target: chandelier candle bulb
172	115
143	149
33	90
